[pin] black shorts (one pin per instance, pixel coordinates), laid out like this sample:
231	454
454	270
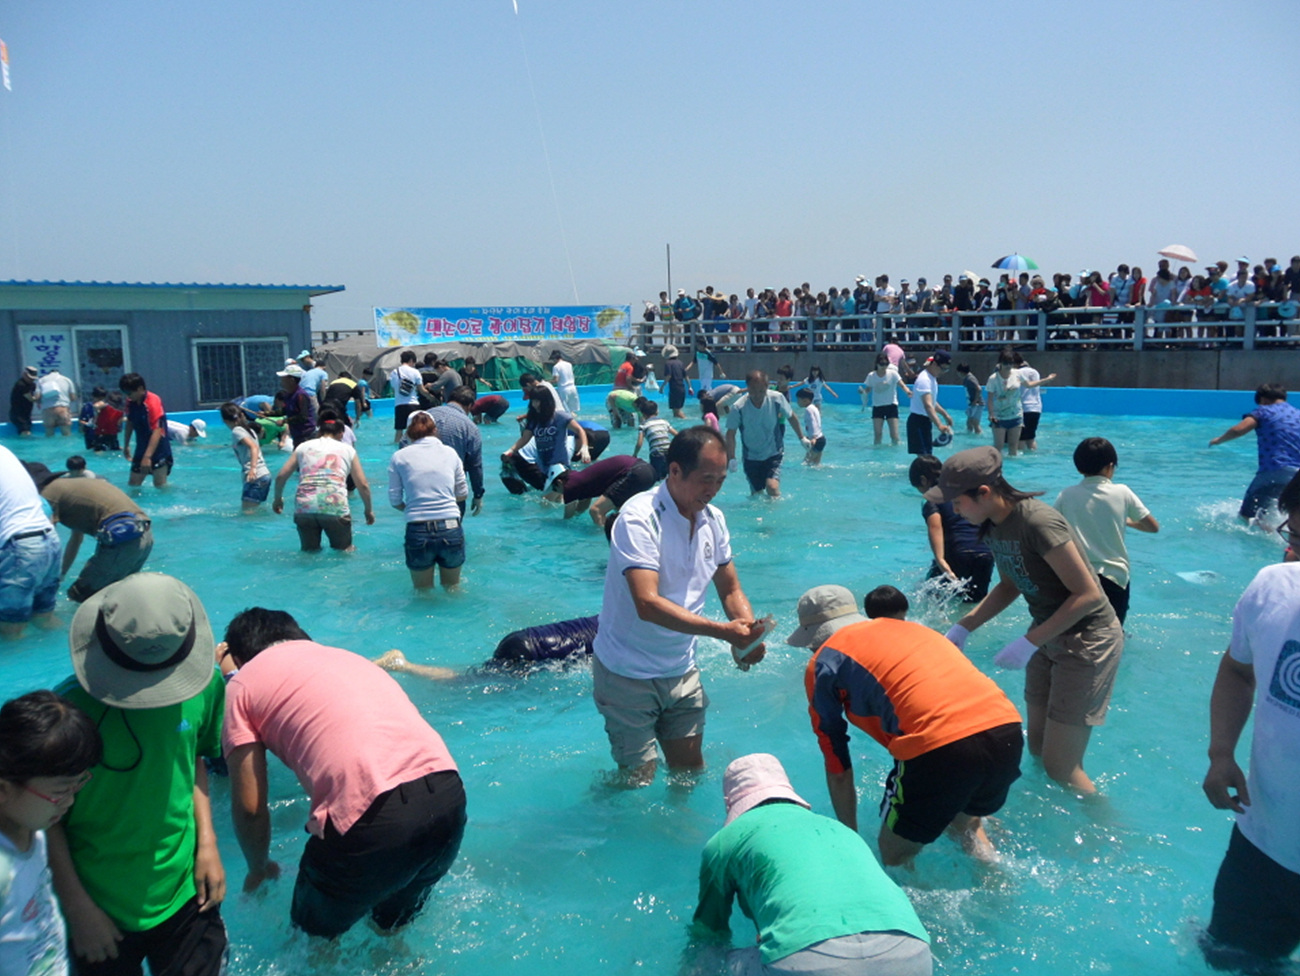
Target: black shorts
401	413
758	472
819	445
1029	429
919	434
888	412
970	776
976	568
189	943
597	441
387	862
159	463
636	479
1117	595
1256	908
676	397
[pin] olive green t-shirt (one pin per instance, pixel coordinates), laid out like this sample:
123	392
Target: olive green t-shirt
82	503
131	831
1019	544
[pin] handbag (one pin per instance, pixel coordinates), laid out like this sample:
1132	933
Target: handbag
119	529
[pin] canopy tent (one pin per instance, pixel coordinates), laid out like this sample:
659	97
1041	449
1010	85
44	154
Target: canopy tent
499	363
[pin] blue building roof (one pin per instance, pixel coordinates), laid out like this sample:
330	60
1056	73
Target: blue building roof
312	289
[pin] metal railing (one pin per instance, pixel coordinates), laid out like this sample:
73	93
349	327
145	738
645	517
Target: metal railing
1136	327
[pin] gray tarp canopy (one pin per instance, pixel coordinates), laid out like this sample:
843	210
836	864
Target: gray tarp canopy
357	354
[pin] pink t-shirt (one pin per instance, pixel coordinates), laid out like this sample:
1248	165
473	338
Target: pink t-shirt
341	723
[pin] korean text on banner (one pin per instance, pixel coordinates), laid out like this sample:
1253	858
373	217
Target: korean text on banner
423	326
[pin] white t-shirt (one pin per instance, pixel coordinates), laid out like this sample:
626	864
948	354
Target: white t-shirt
55	390
652	534
1266	636
1031	397
812	422
406	381
33	941
20	502
758	425
883	389
562	373
923	384
1097	508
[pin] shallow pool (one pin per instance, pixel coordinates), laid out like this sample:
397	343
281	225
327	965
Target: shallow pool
561	874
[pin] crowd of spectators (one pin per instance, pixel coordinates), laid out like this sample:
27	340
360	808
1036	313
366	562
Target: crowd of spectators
1185	305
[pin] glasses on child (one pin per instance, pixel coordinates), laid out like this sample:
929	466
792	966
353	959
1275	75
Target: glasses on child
1289	535
62	796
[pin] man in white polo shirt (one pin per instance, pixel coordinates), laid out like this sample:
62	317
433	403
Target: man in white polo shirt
666	547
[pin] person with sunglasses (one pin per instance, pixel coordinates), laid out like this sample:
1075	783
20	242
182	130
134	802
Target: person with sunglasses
47	747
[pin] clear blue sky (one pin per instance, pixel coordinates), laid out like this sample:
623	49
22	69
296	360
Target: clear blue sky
395	147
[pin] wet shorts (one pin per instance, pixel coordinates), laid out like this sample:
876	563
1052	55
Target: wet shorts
819	445
970	776
1256	908
159	464
1031	425
1073	675
337	528
401	413
440	542
256	491
758	472
1010	424
636	479
888	412
639	711
29	575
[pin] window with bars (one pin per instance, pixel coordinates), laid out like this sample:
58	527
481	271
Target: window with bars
230	368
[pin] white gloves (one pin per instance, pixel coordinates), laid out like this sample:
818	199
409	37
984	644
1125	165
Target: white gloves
958	634
1016	654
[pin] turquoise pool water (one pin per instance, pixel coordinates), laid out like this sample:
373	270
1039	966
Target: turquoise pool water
561	874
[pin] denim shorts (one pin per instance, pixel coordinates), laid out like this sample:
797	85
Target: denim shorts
441	542
29	576
1011	423
256	491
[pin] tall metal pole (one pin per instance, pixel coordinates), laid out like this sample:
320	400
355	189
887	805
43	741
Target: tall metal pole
668	248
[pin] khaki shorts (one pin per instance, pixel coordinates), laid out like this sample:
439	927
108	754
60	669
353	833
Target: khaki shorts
1074	674
52	417
639	711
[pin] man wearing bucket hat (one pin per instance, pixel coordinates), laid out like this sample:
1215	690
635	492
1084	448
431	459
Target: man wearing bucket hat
820	901
1072	650
135	860
955	738
98	508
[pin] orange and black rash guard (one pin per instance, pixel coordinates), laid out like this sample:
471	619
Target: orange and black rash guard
903	684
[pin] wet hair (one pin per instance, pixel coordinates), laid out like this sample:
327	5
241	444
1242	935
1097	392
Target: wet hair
885	601
407	356
131	382
1270	393
541	406
420	426
1093	454
463	395
804	394
255	629
684	451
926	466
42	734
76	463
330	422
646	408
235	413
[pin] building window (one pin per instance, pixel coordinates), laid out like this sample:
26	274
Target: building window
229	368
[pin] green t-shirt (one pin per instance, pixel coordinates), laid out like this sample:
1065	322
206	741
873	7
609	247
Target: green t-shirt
802	878
131	830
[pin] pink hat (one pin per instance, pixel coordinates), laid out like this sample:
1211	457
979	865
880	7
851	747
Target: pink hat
754	779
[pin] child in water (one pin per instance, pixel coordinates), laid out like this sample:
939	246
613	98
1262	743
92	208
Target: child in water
814	440
47	747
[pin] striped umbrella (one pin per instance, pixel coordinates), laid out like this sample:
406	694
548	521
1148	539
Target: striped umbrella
1015	262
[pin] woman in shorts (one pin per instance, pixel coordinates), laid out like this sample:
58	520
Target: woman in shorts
1006	414
1072	650
426	480
245	440
883	384
321	502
